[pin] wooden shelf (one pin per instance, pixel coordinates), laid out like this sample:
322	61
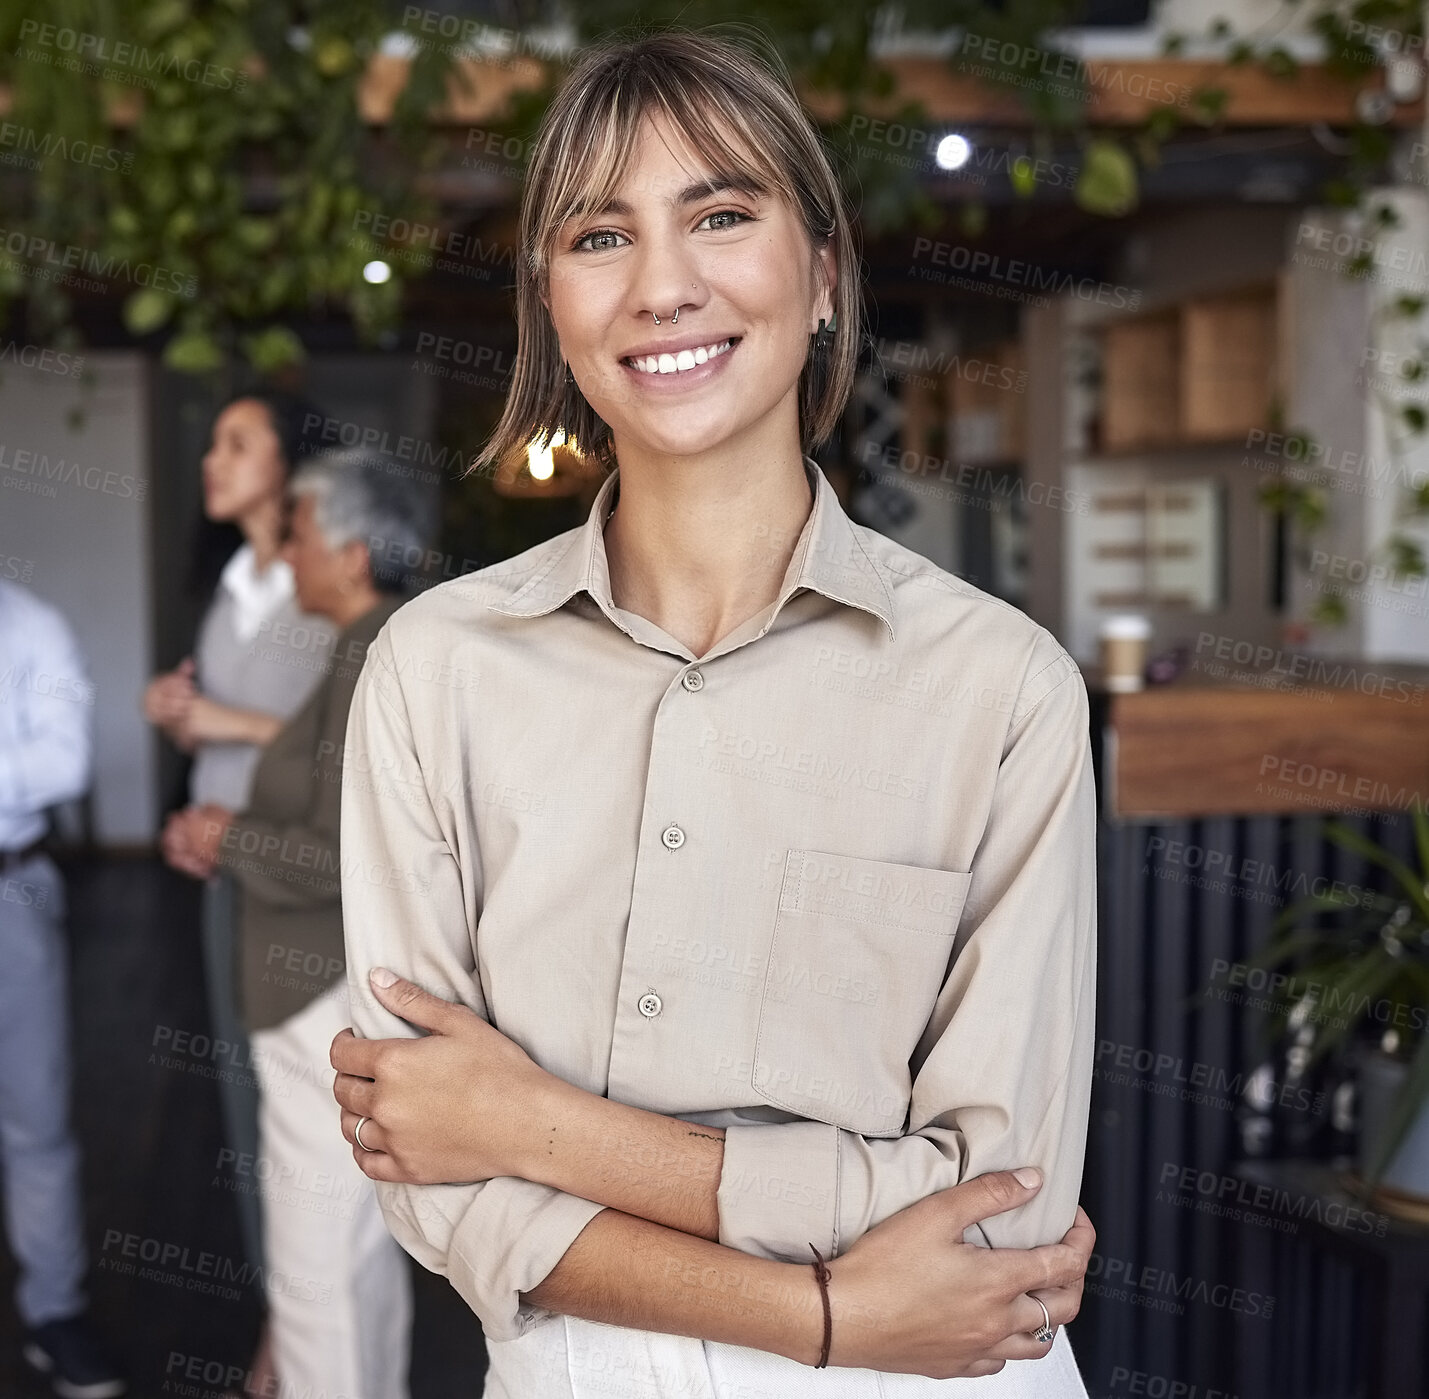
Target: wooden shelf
1200	372
1205	749
1140	372
987	401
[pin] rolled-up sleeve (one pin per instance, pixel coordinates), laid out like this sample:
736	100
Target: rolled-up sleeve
406	906
1002	1073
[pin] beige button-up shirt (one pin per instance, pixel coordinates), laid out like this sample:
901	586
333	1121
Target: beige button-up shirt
830	886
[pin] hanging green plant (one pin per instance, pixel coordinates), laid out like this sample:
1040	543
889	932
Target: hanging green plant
235	182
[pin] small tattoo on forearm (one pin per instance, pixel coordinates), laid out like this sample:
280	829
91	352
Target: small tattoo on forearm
706	1136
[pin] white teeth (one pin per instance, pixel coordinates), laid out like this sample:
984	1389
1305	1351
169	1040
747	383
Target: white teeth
673	364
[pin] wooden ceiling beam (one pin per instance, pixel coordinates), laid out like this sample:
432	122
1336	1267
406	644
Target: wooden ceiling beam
1124	92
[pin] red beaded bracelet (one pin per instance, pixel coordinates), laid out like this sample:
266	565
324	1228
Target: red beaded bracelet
821	1272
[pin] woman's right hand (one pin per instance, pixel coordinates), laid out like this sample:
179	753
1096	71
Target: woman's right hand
916	1299
167	697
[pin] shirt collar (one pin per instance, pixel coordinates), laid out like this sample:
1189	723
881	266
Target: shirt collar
255	595
828	558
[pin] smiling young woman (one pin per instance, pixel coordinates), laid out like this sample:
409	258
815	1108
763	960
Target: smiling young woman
755	851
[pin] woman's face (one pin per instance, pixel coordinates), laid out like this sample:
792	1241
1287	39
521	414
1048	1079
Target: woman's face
243	467
749	288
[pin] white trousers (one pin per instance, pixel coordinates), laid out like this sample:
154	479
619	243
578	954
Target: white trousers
338	1286
567	1358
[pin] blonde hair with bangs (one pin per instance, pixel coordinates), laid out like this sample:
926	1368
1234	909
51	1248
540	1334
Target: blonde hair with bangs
710	88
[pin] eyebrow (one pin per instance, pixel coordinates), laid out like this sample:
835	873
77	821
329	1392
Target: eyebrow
691	194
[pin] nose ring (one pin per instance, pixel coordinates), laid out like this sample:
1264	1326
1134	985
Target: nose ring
674	320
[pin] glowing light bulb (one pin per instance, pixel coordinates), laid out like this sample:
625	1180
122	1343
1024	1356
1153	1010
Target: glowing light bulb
541	461
953	152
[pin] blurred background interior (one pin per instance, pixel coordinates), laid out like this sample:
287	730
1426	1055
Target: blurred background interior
1146	288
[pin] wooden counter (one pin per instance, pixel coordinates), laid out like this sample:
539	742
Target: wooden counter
1202	749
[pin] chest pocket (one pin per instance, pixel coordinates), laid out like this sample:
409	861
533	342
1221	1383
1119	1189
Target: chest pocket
859	952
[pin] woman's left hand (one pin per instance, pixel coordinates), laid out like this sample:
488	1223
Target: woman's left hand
452	1106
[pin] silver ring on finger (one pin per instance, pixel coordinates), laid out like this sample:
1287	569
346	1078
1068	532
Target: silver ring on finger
1046	1331
357	1137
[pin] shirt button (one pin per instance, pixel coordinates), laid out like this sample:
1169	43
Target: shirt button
650	1005
693	681
673	837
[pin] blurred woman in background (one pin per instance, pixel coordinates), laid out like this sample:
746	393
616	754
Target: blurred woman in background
256	659
339	1293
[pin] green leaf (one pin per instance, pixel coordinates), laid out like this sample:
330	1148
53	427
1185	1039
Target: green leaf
1023	175
1408	880
1421	840
333	55
1329	610
255	235
124	221
273	348
1107	184
193	352
147	310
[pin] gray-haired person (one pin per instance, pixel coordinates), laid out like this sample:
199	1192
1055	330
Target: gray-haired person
338	1285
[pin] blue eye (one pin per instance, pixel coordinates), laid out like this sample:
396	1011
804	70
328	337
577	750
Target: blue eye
736	214
584	239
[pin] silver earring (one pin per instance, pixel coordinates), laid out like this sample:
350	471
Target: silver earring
675	319
657	318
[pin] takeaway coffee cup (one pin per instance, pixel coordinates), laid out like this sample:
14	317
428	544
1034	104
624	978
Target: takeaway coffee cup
1124	641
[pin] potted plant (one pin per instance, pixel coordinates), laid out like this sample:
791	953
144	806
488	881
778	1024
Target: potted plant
1359	964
